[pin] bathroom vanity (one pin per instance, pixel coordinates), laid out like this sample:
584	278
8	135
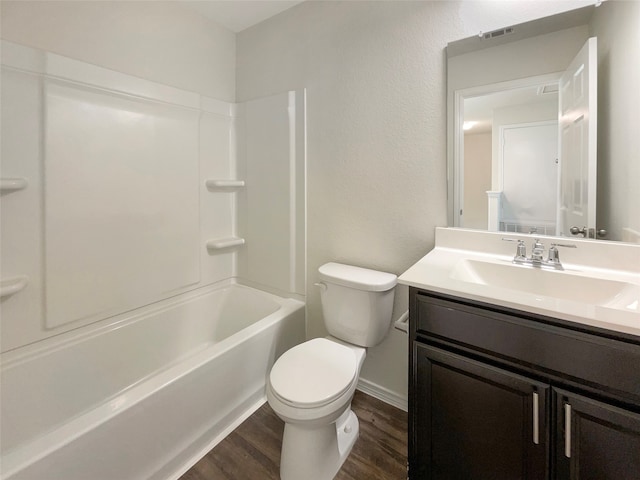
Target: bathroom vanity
514	383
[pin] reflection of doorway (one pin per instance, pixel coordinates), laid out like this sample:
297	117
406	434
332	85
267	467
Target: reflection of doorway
528	156
481	180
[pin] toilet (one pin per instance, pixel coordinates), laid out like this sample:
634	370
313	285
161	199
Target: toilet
310	386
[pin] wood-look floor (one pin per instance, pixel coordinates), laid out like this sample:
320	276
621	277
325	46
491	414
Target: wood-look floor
252	451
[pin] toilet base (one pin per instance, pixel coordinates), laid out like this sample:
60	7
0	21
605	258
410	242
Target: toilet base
317	453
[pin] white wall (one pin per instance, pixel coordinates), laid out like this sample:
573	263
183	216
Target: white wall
618	194
160	41
477	180
376	115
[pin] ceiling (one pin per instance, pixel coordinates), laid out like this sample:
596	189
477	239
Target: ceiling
237	15
480	109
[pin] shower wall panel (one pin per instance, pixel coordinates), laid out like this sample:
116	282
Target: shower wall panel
272	157
121	201
218	209
21	315
136	192
115	213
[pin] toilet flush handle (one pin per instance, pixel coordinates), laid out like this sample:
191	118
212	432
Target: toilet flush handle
322	285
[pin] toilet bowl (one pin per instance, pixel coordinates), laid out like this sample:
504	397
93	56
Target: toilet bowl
311	386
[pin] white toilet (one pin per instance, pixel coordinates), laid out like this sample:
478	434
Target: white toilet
311	385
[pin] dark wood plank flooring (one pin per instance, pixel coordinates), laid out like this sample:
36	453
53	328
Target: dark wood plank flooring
252	451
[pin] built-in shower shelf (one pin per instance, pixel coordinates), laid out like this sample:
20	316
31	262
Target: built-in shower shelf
214	184
228	242
13	285
12	184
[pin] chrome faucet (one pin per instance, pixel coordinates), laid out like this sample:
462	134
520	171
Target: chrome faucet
537	254
537	251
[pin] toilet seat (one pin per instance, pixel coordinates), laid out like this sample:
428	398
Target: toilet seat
314	373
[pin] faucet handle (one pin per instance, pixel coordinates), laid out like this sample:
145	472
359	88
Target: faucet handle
537	250
538	244
507	239
521	249
565	245
554	255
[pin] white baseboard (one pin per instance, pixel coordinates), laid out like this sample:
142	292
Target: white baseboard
383	394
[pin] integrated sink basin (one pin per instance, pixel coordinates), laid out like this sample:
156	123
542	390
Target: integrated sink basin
594	283
549	283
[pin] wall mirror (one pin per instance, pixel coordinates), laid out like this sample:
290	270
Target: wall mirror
540	129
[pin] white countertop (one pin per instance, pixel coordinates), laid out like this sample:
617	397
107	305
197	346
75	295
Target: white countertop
591	259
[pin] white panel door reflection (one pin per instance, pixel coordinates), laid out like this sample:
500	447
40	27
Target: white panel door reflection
529	161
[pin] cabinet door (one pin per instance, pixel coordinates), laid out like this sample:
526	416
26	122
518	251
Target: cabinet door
594	440
470	420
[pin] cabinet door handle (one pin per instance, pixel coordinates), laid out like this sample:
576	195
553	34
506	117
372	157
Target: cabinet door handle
536	419
567	430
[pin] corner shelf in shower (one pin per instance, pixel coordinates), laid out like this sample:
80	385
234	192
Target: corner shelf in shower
227	242
12	184
213	184
13	285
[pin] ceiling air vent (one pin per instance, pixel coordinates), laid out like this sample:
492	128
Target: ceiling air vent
548	89
496	33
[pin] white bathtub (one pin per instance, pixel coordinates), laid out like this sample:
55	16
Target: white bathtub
147	396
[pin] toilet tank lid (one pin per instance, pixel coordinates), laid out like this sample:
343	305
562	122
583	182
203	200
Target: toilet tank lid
357	277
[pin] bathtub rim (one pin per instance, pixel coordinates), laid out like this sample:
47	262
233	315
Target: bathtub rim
23	455
31	351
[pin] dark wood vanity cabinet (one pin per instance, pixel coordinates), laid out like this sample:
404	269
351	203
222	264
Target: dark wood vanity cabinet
605	440
501	394
474	418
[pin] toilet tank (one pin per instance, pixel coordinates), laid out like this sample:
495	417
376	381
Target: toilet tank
357	303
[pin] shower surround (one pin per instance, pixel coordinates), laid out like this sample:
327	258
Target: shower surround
125	204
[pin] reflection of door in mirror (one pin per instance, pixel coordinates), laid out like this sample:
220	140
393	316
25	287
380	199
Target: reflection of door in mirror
509	159
578	169
523	192
528	153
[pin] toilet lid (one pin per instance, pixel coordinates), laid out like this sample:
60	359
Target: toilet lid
313	373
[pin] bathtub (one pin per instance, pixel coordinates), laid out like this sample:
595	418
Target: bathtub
146	396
